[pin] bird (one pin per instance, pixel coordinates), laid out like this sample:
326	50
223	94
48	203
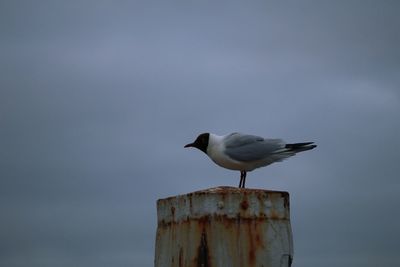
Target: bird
246	152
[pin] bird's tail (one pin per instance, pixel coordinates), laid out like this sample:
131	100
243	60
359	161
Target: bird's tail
299	147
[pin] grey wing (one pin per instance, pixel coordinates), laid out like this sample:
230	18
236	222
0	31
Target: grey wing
250	147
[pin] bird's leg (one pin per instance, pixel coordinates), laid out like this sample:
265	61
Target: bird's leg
242	179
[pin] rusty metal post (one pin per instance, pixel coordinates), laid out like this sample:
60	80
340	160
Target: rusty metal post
224	227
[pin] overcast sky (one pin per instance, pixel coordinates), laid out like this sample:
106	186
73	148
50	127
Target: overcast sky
97	99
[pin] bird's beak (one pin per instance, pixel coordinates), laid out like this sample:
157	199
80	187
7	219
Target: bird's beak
189	145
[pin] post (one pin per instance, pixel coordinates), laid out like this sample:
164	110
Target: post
224	227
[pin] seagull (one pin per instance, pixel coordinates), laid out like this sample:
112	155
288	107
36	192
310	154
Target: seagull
245	152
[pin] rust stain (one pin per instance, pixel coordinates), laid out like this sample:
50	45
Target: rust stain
244	205
173	211
190	204
252	256
274	215
228	220
223	190
181	257
285	196
255	240
252	246
204	220
203	255
259	241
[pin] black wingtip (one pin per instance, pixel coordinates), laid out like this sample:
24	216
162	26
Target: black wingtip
298	147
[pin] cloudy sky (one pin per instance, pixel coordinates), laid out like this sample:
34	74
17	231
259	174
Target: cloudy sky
97	99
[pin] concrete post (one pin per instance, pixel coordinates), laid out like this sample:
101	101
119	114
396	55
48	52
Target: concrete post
224	227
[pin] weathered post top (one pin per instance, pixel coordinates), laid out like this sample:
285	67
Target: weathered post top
224	226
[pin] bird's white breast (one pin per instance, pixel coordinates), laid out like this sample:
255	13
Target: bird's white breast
215	151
